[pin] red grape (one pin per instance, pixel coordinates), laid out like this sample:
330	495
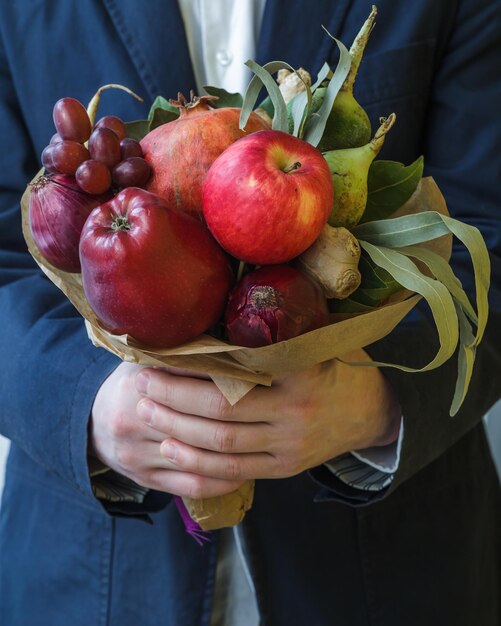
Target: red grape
68	155
93	177
104	146
130	148
114	123
71	120
133	172
47	159
56	138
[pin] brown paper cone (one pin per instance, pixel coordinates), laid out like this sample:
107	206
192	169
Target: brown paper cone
221	511
236	370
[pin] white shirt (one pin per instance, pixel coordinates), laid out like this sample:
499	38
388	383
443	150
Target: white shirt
222	36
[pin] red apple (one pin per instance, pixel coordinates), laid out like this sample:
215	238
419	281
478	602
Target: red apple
152	272
267	197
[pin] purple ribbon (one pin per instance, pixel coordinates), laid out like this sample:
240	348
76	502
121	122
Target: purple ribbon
192	528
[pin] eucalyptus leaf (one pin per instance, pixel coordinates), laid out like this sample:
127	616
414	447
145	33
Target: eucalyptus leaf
225	98
411	229
390	184
263	76
466	360
436	294
301	104
399	232
473	241
315	126
443	272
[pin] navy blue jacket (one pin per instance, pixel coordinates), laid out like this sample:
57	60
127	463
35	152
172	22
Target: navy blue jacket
427	549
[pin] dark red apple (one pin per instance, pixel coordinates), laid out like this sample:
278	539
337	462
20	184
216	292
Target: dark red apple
152	272
267	197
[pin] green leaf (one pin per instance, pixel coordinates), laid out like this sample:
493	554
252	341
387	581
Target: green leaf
263	76
390	184
349	305
411	229
164	105
301	104
443	272
137	129
473	241
225	98
374	277
161	112
315	127
467	341
436	294
466	360
267	105
399	232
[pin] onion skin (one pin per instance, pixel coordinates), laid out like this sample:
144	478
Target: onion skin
58	209
272	304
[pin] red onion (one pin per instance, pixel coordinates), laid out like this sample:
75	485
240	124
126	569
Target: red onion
57	212
272	304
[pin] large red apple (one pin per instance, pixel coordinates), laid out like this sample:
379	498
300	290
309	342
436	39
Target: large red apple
267	197
152	272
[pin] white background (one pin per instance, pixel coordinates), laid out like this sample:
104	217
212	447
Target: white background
493	429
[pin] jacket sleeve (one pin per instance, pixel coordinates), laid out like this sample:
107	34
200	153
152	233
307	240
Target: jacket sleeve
461	147
50	371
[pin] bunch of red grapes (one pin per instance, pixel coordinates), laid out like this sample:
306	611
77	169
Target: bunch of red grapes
109	158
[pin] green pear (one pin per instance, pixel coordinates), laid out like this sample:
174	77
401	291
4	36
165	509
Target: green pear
348	125
350	168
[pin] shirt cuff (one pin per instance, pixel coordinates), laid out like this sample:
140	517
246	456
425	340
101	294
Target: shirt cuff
111	486
370	469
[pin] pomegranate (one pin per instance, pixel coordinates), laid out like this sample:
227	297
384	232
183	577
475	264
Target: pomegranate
181	152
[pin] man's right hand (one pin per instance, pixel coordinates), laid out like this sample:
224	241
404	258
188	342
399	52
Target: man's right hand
123	441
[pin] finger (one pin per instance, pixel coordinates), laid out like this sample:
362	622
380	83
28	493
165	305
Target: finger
133	457
189	485
210	434
179	371
203	398
216	465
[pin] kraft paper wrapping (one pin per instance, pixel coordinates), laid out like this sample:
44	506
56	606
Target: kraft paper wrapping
236	370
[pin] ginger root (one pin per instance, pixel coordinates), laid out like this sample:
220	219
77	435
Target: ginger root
333	262
292	83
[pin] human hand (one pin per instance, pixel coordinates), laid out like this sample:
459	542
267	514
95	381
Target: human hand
128	445
300	422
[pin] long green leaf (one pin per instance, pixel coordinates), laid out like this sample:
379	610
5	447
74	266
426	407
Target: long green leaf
263	76
443	272
474	243
403	231
301	104
411	229
438	297
390	184
315	127
466	360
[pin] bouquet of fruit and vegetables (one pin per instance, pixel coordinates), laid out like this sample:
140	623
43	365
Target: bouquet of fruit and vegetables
247	241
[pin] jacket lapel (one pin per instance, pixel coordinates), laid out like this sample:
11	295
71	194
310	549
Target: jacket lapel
152	33
307	46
